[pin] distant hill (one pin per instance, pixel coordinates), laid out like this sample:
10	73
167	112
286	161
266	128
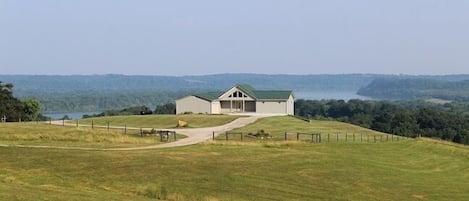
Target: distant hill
90	93
60	84
417	88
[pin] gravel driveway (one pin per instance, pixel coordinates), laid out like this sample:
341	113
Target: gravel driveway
194	135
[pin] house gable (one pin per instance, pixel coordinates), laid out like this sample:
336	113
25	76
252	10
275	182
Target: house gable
237	93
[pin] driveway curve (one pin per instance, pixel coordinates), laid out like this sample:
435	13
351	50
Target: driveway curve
194	136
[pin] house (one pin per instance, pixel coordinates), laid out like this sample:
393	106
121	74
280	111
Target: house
241	98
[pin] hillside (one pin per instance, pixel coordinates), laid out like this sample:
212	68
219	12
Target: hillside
416	88
410	170
407	169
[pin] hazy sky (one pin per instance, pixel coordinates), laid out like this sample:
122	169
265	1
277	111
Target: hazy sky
239	36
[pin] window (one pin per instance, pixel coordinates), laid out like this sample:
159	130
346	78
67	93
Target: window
237	94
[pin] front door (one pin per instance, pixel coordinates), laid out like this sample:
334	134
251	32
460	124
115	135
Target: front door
237	106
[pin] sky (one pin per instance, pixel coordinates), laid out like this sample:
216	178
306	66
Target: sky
155	37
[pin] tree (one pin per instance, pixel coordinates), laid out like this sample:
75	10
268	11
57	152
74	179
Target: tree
31	109
14	109
10	107
169	108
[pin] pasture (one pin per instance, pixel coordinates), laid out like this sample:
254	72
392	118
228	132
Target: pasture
422	169
406	170
53	135
159	121
334	130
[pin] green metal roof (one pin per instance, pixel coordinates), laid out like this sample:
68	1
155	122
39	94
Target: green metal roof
273	95
249	90
210	96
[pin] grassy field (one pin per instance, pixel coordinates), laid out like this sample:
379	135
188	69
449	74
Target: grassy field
160	121
405	170
52	135
330	130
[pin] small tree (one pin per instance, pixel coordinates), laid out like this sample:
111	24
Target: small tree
31	109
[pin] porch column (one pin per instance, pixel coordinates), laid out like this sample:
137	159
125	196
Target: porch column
231	105
244	106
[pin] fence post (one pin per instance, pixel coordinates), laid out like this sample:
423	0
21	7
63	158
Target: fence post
297	136
361	137
312	137
92	124
108	126
77	123
392	137
63	121
125	128
337	137
387	138
346	136
320	136
174	134
141	132
327	137
213	135
226	136
353	135
285	135
374	137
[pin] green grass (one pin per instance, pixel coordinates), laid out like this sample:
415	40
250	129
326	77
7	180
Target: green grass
329	130
160	121
52	135
405	170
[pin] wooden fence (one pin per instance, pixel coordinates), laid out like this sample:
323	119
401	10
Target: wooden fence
314	137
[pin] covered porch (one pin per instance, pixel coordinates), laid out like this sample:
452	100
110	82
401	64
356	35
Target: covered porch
238	106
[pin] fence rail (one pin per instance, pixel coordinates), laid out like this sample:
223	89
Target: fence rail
314	137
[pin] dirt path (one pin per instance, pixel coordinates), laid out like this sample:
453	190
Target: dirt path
194	135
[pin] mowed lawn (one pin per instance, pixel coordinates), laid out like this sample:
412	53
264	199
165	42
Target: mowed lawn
329	130
53	135
405	170
160	121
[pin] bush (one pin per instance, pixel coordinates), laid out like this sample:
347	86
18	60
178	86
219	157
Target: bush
260	134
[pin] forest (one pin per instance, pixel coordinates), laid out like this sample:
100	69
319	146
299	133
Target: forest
404	118
416	88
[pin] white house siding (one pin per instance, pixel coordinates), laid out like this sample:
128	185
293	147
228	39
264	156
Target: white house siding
192	104
216	107
290	105
272	107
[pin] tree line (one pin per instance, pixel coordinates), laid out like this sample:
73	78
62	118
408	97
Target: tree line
168	108
399	118
13	109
